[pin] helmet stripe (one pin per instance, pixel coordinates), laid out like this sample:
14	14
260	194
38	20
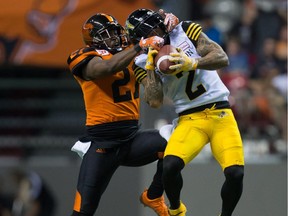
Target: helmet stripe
110	18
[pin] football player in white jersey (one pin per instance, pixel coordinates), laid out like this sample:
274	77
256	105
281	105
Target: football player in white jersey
201	102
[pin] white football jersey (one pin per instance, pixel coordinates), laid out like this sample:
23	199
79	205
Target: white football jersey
189	89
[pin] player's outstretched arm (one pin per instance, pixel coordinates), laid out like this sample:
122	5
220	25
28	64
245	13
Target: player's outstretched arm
212	55
99	68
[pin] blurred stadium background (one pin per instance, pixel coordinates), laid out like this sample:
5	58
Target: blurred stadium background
42	113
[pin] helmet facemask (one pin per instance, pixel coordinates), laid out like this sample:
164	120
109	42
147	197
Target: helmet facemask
144	25
113	38
103	31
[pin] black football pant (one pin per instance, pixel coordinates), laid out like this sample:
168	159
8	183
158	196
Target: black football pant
99	165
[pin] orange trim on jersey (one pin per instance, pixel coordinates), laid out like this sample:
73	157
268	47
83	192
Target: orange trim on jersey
100	95
77	202
82	57
111	98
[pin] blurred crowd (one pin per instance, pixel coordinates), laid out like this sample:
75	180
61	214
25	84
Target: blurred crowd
252	32
24	193
254	35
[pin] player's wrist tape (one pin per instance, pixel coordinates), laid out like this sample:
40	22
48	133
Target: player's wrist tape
140	74
194	66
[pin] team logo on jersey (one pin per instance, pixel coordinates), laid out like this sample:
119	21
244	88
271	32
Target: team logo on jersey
186	48
223	114
102	52
184	45
189	52
101	150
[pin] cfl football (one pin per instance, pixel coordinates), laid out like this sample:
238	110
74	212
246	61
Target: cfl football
162	59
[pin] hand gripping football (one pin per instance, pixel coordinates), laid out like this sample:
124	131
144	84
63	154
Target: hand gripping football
162	59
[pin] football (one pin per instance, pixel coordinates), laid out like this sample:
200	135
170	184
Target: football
162	59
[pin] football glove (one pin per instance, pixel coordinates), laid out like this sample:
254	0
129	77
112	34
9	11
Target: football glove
170	20
150	59
182	62
155	42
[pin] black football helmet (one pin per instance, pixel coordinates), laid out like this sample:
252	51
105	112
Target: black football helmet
142	22
96	32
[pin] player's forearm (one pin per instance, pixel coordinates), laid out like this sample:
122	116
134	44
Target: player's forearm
122	59
98	68
213	61
212	55
153	92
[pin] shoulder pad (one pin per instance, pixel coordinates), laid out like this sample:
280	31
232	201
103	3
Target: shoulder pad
192	30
